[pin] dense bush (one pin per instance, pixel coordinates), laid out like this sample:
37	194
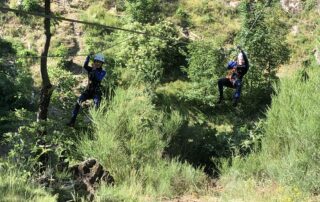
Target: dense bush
289	156
16	81
129	139
262	35
144	11
29	5
205	62
292	135
149	58
17	187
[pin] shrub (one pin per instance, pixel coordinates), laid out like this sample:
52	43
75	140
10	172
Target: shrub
262	35
129	139
131	132
144	11
16	186
205	64
150	58
30	5
16	82
289	155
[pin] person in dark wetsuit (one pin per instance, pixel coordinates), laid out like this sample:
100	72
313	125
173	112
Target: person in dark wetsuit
93	91
237	69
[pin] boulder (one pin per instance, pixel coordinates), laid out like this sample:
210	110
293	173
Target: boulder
87	177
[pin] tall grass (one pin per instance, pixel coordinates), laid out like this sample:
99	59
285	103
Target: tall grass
16	187
289	155
129	139
292	133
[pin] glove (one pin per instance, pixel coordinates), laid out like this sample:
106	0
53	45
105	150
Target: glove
87	59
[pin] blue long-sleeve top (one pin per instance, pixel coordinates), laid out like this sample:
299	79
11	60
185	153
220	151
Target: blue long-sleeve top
95	76
241	70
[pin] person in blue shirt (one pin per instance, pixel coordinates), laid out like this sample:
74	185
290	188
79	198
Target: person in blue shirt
93	91
237	69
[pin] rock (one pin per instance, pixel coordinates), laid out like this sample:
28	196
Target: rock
292	6
87	176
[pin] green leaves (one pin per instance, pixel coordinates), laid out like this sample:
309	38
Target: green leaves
18	93
205	62
144	11
262	35
30	5
147	58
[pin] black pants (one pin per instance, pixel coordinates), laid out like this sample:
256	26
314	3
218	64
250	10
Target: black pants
226	82
96	96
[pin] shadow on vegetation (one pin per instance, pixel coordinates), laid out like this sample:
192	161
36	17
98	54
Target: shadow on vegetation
202	143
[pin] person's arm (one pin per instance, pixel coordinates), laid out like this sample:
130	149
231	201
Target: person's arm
231	65
245	59
97	75
86	64
101	75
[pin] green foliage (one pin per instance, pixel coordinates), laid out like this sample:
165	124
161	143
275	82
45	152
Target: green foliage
15	186
29	5
16	81
205	61
183	16
131	128
97	39
156	181
309	4
148	59
295	109
144	11
63	96
62	51
129	139
11	120
6	48
97	13
289	155
33	150
262	35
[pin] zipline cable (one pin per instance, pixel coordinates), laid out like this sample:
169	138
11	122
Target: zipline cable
71	20
4	9
51	16
61	56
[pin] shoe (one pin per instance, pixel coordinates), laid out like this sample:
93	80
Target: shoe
235	103
71	123
220	100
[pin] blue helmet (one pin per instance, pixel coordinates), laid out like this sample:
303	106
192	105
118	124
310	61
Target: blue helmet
232	64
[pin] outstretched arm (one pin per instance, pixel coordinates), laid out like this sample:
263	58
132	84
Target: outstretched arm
86	64
245	59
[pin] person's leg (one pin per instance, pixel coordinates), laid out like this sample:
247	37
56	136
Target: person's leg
96	100
83	97
221	83
236	96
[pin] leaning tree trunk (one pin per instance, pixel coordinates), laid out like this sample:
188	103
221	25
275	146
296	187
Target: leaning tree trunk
46	88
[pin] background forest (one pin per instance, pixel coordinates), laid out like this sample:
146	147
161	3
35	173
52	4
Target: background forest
158	131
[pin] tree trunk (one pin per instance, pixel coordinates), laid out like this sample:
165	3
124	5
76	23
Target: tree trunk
46	88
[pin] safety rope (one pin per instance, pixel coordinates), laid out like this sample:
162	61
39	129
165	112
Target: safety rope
51	16
61	56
